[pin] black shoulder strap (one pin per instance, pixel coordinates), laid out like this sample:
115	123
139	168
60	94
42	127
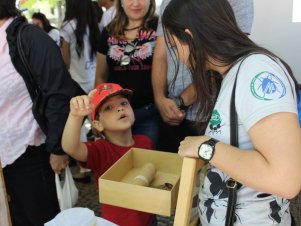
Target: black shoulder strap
231	184
233	113
24	60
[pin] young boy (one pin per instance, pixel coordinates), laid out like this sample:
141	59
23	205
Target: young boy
113	116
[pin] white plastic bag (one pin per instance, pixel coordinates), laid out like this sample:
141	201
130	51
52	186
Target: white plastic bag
78	216
67	192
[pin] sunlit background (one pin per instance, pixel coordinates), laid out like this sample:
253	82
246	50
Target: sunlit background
53	9
297	11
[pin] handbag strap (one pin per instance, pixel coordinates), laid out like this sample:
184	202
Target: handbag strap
231	184
20	49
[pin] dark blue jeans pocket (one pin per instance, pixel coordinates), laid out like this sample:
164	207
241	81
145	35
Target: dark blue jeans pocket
146	122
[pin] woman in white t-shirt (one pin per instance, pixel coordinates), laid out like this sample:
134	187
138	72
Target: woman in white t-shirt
41	20
266	163
80	35
79	38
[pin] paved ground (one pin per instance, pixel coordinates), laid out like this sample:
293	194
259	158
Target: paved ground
88	197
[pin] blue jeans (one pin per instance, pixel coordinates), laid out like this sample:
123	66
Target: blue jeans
147	122
155	221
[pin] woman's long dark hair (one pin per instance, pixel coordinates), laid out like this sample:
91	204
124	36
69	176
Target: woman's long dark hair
8	9
214	33
98	11
120	20
85	14
46	24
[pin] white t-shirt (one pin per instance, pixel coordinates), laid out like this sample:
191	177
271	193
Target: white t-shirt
55	35
82	69
262	89
18	126
243	10
106	18
244	13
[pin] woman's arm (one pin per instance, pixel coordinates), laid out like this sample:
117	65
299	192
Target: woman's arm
101	75
275	164
167	106
65	49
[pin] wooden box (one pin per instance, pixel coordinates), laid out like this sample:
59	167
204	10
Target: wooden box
115	189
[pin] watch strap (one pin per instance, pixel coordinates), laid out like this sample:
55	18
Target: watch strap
212	142
180	103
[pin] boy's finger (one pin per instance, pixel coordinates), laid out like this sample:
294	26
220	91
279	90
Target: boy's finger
74	103
87	102
80	102
92	93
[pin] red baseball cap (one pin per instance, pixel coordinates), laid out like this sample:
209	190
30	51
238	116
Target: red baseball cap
106	90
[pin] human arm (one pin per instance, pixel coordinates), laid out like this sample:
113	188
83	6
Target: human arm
54	80
80	107
58	162
65	49
66	36
59	87
169	111
273	167
101	69
189	95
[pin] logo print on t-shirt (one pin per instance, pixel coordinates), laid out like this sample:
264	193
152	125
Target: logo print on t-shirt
276	212
267	86
217	191
215	122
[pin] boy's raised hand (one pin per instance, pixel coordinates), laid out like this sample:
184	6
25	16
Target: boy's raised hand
82	105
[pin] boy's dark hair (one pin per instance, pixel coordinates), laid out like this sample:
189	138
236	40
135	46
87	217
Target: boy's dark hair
8	9
46	24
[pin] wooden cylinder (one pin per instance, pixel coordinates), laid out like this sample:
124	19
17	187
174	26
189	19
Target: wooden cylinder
145	175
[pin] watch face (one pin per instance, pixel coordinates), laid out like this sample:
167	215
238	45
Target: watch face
206	151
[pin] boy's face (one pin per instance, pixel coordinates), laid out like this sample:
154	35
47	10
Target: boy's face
116	114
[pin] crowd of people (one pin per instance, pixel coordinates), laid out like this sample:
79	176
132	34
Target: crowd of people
188	80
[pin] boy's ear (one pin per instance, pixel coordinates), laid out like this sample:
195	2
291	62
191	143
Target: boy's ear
97	125
188	32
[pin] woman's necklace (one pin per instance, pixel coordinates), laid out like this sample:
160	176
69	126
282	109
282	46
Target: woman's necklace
131	29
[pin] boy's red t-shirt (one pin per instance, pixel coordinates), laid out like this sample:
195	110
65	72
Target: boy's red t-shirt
101	156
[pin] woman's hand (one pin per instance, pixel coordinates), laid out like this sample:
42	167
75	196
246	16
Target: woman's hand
58	162
190	145
169	111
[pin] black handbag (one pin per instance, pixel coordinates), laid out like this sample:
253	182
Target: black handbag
39	99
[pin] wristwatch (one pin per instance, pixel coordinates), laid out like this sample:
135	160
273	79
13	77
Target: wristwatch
206	149
180	103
